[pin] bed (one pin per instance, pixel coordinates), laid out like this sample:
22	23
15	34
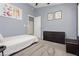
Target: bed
16	43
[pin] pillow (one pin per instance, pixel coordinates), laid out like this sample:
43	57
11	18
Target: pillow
1	37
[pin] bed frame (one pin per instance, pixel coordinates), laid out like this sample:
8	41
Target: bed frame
58	37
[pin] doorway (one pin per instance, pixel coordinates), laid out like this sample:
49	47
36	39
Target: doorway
31	26
34	26
37	26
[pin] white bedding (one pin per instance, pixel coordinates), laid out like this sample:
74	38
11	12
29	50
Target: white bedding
17	43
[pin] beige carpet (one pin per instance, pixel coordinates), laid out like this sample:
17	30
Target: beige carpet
44	48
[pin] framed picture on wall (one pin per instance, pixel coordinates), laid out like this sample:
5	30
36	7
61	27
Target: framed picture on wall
58	15
10	11
50	16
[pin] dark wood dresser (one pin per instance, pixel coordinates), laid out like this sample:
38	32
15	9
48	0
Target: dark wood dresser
72	46
53	36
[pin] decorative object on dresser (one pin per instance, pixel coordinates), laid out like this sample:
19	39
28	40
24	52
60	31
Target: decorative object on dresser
58	37
2	48
72	46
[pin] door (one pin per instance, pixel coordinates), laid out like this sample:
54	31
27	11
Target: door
37	26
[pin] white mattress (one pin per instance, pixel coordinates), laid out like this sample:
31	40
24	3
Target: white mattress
17	43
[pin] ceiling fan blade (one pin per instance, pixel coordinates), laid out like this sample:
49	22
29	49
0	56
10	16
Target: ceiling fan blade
48	3
36	4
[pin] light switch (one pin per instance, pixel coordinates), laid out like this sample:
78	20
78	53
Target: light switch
24	25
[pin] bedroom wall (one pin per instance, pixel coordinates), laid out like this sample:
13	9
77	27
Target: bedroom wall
67	24
12	27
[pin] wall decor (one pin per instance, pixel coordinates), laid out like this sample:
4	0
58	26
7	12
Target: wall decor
8	10
58	15
50	16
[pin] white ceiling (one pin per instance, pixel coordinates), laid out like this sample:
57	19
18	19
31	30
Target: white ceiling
42	4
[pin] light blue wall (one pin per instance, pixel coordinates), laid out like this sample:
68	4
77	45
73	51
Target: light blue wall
68	23
12	27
